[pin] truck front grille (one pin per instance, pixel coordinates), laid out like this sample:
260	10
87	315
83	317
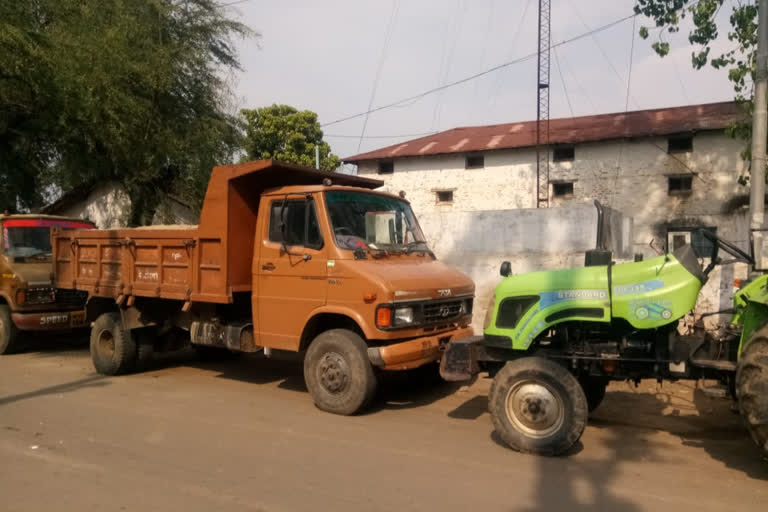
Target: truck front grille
71	298
442	311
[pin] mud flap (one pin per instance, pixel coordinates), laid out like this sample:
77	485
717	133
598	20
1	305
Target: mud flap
459	361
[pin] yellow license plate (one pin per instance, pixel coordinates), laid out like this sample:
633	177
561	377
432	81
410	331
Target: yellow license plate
77	318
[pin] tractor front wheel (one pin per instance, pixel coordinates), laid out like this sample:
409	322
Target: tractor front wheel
537	406
752	388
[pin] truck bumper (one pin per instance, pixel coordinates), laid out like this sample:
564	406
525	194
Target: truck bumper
49	321
416	352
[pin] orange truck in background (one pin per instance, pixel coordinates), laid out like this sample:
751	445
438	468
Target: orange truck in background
284	258
28	300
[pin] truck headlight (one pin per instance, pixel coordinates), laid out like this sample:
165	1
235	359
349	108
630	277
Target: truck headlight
403	316
35	296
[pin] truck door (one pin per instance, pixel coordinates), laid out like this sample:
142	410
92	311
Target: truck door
292	271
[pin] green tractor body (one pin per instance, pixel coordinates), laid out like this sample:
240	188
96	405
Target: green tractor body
553	340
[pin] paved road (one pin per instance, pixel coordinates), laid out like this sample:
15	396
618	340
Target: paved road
244	435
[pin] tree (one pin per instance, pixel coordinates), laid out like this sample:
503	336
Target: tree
132	91
284	133
739	59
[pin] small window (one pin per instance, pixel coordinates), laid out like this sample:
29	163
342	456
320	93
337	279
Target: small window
680	236
680	185
563	153
474	162
680	144
563	190
386	167
444	196
300	223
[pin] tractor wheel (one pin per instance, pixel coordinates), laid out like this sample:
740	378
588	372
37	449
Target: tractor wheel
9	334
338	373
594	390
113	349
752	388
537	406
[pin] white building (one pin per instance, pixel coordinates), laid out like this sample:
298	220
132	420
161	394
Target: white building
671	170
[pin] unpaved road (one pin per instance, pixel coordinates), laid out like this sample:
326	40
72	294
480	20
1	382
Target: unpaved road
244	435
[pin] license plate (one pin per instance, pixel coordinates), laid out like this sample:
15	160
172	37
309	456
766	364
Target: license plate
77	318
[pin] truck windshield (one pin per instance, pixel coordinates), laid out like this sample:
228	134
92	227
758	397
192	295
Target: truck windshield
360	221
31	238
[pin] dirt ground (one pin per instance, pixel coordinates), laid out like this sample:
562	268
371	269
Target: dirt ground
244	435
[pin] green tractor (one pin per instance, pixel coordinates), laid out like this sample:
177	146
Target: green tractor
553	340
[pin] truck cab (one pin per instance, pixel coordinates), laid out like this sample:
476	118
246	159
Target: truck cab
28	299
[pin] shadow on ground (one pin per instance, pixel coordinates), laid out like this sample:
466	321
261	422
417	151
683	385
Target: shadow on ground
68	387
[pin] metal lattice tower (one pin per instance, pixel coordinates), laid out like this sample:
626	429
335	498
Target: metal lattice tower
542	108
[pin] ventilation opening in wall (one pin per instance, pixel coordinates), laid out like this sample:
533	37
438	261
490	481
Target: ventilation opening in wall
386	167
474	162
680	185
563	153
562	190
444	196
680	144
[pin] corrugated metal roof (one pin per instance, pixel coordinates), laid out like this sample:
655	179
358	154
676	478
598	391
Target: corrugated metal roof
640	123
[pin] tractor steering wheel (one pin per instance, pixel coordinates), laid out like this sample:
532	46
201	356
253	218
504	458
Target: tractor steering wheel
719	243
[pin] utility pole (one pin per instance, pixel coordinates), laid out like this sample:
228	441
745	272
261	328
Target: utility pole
317	156
542	107
759	120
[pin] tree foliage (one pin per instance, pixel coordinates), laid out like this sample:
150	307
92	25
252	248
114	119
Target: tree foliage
281	132
133	91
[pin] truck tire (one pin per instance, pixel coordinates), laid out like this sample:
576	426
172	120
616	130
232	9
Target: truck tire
537	406
338	373
9	334
113	349
594	390
752	388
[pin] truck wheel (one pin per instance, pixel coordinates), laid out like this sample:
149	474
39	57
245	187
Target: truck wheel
537	406
9	334
594	390
752	389
113	349
337	372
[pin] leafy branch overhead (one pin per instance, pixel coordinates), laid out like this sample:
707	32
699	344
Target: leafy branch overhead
282	132
132	91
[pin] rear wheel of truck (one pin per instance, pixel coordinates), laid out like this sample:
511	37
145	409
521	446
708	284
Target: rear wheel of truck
337	372
9	334
752	388
594	390
537	406
113	349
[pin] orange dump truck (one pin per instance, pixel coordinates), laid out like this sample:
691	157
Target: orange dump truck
284	258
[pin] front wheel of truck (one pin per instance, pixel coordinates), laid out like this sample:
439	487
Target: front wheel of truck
113	349
537	406
337	372
9	334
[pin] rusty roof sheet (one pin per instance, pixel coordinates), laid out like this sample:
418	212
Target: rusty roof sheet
640	123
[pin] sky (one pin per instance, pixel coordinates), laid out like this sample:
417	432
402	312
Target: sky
337	57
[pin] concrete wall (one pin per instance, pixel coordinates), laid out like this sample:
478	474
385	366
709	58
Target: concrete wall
531	239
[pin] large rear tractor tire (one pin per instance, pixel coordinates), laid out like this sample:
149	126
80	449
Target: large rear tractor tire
338	373
113	349
537	406
594	390
9	334
752	388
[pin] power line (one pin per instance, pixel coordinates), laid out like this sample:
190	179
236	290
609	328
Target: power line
497	83
565	88
482	73
350	136
384	51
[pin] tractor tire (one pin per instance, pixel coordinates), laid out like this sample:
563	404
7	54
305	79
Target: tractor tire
113	349
9	334
338	373
594	390
537	406
752	388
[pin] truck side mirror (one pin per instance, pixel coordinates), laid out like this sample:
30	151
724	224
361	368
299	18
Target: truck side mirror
505	269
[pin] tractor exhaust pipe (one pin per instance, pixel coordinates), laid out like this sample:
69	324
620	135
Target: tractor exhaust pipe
600	242
600	255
